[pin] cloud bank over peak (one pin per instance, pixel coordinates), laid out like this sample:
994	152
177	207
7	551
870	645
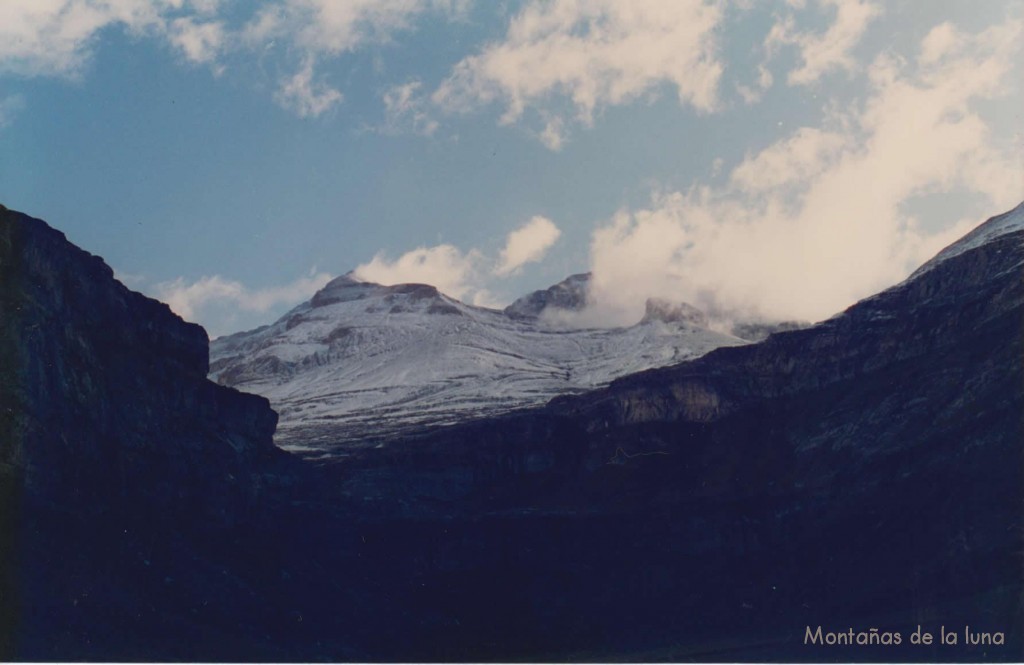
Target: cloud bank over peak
445	266
221	303
465	275
817	220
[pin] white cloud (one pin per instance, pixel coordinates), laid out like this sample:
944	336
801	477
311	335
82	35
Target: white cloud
208	296
55	37
942	39
464	274
405	110
753	94
830	50
200	42
322	29
52	37
593	53
820	219
484	298
444	266
306	98
527	244
791	161
330	27
553	134
10	106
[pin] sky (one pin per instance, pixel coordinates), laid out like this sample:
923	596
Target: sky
758	160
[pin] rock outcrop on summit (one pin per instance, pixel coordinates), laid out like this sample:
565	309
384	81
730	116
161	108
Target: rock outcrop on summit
570	295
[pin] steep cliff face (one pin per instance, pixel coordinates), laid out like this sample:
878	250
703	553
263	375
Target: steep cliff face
105	390
107	425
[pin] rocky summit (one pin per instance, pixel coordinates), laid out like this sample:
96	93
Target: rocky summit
569	295
861	476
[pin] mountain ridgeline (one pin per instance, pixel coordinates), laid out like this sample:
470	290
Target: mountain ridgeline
361	363
864	473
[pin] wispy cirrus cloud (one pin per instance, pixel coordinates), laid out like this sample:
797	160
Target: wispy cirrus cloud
304	96
823	52
56	38
329	27
407	110
324	29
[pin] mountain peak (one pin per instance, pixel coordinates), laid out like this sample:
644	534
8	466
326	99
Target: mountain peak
342	289
571	294
348	287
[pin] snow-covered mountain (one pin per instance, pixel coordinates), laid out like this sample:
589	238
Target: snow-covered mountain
361	362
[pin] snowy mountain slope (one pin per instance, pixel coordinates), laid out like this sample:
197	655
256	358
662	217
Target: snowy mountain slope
1008	222
361	362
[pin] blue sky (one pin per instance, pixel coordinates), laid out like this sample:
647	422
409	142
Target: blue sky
778	160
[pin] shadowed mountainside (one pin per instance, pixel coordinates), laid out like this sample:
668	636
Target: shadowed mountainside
863	473
108	425
866	472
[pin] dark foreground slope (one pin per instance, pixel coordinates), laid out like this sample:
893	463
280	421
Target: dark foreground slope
866	473
111	441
